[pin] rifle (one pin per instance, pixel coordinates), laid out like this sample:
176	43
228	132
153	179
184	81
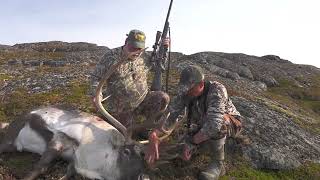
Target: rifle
159	56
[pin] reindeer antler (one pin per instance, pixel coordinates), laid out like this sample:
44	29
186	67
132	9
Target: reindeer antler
160	126
99	98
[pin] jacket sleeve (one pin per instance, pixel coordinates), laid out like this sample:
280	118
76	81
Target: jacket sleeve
104	64
216	103
231	109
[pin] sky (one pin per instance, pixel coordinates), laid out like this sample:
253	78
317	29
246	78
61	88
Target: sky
287	28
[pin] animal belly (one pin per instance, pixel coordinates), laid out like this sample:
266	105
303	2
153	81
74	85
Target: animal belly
75	125
29	140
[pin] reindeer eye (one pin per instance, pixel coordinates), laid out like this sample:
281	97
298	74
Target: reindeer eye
127	152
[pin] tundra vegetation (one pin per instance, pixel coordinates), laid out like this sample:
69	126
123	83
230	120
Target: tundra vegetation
288	98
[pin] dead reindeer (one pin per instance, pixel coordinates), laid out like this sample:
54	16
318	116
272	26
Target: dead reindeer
94	148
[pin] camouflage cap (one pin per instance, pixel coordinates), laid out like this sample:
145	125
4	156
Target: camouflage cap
136	38
189	77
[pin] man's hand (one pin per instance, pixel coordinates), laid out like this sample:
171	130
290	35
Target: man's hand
186	152
152	152
166	42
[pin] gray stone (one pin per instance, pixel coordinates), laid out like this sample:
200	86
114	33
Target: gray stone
55	63
277	142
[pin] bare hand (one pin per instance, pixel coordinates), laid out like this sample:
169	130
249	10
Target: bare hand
166	42
152	153
186	153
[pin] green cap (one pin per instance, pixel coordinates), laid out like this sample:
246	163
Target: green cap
189	77
136	38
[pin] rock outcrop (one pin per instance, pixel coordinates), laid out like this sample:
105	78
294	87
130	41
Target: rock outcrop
278	140
59	46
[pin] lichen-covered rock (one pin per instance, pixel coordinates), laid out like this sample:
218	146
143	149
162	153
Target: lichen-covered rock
277	142
268	80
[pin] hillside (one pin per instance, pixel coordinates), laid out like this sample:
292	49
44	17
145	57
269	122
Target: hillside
280	102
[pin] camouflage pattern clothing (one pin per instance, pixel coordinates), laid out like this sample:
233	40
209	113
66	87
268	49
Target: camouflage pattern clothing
204	113
127	87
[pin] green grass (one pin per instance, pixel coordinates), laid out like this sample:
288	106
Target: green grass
4	77
19	162
301	103
20	101
310	171
75	94
240	169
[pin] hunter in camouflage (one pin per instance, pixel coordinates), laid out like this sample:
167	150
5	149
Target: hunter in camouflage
127	87
208	109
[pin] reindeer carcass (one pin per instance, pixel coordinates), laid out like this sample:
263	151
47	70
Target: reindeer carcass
95	149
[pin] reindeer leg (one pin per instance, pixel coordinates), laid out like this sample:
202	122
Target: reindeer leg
54	150
60	143
5	147
12	131
70	172
45	161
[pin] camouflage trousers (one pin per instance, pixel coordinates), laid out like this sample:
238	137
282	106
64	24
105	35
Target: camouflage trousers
151	108
215	148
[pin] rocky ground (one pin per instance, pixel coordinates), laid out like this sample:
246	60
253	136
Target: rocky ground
280	102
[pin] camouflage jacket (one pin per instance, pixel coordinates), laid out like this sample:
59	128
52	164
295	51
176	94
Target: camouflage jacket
204	113
127	86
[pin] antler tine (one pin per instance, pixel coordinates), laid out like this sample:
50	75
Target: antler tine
167	133
152	125
113	121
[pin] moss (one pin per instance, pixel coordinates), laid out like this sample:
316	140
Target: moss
241	169
299	118
313	105
5	77
19	162
76	95
20	101
302	104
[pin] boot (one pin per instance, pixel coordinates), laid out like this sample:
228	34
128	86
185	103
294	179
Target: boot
214	171
216	167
